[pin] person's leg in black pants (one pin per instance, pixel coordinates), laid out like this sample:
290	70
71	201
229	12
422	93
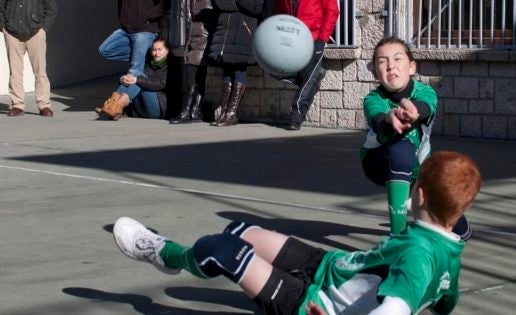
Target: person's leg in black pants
191	99
309	80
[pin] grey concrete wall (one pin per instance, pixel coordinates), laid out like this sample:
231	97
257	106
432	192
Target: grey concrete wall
72	55
80	28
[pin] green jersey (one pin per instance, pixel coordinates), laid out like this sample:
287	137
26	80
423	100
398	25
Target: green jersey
421	266
378	101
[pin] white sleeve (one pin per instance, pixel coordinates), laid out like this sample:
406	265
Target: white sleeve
392	306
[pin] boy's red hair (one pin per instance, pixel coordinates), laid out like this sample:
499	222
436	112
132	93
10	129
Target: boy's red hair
451	181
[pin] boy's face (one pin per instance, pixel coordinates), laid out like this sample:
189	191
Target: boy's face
393	67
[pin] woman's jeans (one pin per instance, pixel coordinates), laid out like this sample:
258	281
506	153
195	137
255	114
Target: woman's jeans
122	46
146	103
234	73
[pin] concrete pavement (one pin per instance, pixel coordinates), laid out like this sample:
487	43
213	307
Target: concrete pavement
66	179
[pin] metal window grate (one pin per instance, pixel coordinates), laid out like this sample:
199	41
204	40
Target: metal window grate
344	34
456	23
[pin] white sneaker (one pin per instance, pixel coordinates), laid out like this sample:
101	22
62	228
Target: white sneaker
137	242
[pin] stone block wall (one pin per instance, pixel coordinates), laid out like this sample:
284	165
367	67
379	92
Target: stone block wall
477	91
476	88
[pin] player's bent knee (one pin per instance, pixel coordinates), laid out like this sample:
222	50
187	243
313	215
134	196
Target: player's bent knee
239	228
402	159
224	254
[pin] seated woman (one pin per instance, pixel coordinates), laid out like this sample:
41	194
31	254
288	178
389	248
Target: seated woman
147	92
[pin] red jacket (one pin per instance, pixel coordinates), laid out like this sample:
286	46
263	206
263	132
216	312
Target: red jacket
319	15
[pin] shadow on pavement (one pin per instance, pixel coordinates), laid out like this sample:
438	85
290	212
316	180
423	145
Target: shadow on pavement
215	296
316	231
326	163
85	96
141	303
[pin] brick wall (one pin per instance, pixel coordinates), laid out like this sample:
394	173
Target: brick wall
476	88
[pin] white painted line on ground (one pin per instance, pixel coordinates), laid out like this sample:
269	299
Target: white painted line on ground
498	287
207	193
482	290
187	190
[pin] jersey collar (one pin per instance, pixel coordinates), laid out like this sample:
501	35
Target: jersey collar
436	229
396	97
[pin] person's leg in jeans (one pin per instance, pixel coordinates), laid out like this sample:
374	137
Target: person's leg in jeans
149	105
132	90
36	49
140	44
116	47
240	74
122	46
115	106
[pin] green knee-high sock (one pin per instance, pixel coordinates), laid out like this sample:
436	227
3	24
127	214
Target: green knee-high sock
398	192
177	256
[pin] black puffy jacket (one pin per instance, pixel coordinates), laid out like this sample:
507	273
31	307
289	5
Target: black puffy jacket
24	18
203	19
237	22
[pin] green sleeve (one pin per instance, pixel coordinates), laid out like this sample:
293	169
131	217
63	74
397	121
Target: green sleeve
375	104
426	94
409	277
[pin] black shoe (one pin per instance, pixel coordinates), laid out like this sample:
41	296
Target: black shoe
291	81
46	112
16	112
287	80
463	229
293	126
183	118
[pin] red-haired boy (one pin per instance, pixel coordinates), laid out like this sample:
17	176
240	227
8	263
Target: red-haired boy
405	273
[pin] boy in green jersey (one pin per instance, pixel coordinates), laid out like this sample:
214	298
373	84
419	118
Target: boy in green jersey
399	113
406	272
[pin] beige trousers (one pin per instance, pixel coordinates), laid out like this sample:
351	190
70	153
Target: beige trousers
36	47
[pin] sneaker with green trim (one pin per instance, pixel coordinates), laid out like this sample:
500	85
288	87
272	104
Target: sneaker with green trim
137	242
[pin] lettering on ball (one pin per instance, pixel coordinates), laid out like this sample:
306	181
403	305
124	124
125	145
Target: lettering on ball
288	29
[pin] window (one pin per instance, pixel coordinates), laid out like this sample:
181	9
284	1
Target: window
460	23
344	34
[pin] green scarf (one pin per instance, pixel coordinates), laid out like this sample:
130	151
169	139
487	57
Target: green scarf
156	64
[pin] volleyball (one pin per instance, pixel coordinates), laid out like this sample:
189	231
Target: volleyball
283	45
